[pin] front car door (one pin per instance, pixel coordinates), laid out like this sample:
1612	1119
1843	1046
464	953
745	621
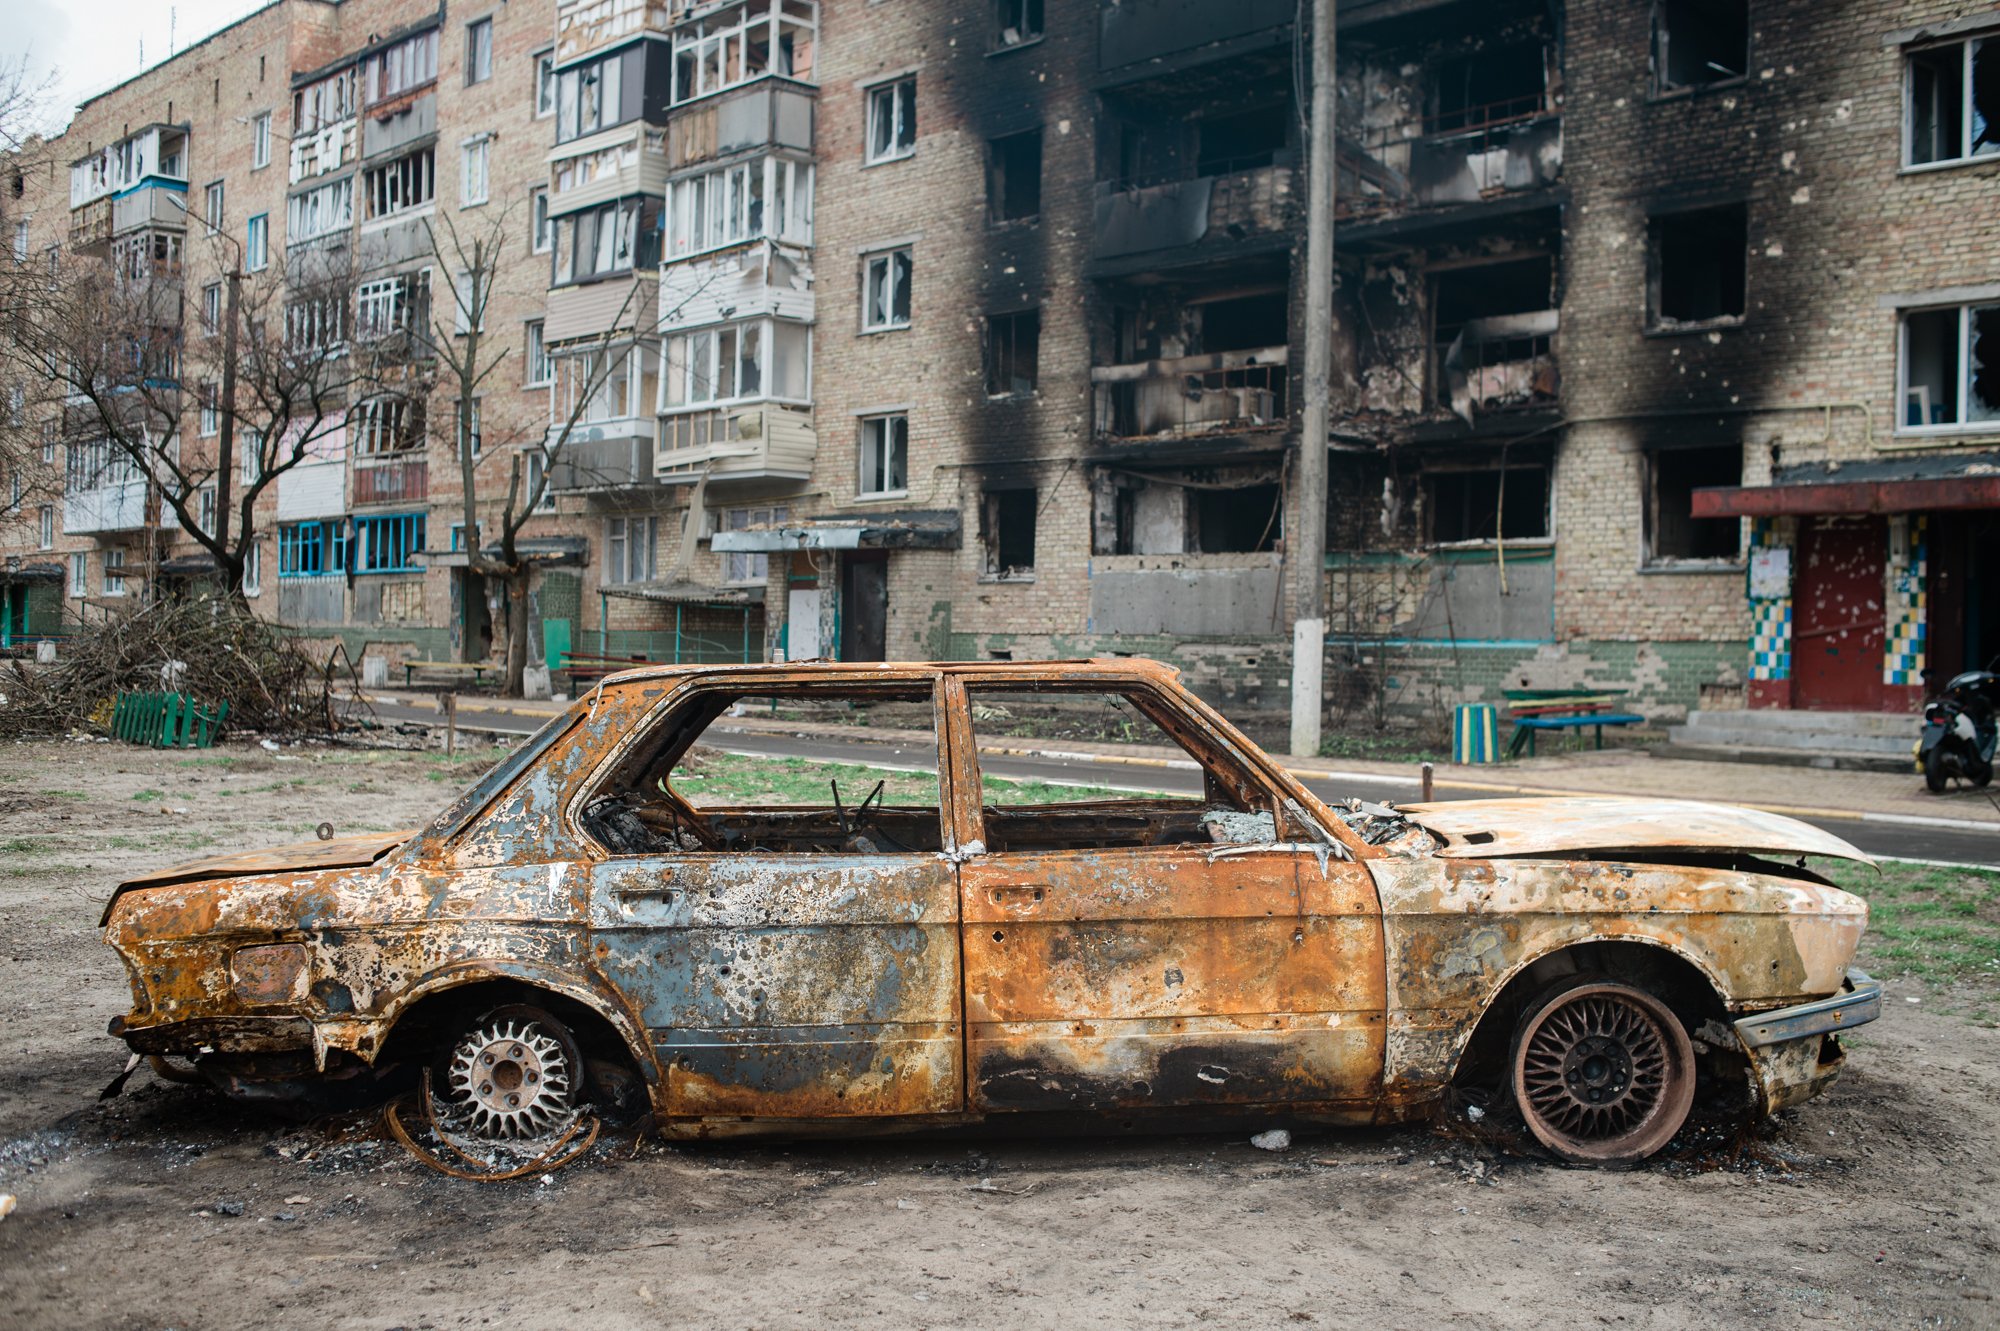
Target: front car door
1123	950
792	958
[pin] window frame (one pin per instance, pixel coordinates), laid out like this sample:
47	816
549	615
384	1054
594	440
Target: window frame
475	149
214	203
396	188
545	84
535	352
541	225
1012	320
478	50
79	574
113	574
398	533
257	242
260	141
1657	323
1033	25
894	437
1967	110
1651	560
1659	88
1966	424
897	289
620	557
888	96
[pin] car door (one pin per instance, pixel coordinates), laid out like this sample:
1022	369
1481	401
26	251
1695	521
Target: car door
790	984
1118	976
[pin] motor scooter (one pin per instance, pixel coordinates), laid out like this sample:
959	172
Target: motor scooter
1961	730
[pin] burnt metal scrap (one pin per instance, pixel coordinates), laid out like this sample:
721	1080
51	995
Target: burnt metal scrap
575	930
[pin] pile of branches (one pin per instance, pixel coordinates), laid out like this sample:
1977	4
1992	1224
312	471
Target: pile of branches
212	649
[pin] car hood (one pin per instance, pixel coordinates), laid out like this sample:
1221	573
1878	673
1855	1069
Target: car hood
340	853
1476	829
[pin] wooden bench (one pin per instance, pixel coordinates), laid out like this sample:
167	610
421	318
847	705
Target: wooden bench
590	669
478	669
1536	710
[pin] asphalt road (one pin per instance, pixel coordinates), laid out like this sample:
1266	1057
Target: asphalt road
1887	840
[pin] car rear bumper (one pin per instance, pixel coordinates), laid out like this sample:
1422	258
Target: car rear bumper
1795	1052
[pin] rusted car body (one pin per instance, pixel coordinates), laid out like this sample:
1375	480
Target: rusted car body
776	969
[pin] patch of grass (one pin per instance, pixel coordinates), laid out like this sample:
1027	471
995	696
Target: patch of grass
1381	748
1940	925
725	778
148	796
66	794
208	760
22	846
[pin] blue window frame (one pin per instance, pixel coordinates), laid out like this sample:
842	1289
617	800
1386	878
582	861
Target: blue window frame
388	544
309	549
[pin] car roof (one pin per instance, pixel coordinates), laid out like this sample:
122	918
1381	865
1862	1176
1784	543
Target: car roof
1138	667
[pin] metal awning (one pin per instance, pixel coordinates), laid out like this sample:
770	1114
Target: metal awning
540	551
13	572
683	593
188	566
914	529
1767	501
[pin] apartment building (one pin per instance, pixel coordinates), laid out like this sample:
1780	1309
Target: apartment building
974	329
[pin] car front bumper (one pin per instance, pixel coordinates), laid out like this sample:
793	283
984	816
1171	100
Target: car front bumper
1795	1052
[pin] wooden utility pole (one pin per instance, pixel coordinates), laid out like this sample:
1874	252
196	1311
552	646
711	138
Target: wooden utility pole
1306	546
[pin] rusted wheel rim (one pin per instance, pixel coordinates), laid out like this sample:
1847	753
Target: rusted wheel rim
1604	1074
510	1078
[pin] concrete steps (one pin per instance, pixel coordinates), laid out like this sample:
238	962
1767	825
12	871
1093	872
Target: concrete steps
1864	741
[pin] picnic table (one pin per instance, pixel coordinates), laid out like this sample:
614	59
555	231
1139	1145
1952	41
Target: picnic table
1536	710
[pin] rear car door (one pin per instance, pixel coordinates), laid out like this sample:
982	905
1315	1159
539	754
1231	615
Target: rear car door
788	961
1126	951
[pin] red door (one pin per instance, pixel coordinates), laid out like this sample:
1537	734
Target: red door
1838	619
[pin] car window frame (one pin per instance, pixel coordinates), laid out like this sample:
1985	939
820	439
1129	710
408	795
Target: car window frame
738	685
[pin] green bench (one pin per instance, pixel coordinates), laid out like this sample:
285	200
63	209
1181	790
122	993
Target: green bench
1536	710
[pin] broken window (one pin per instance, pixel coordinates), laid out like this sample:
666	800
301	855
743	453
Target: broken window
1951	367
1487	87
1013	349
408	182
885	454
1014	177
1210	511
1231	808
1007	530
885	297
1494	328
892	120
1699	265
1672	477
1019	21
1243	141
1953	110
1490	504
671	797
1698	43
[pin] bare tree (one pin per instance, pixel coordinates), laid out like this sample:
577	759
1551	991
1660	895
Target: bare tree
111	339
494	477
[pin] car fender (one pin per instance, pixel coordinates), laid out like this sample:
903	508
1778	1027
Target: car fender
366	1036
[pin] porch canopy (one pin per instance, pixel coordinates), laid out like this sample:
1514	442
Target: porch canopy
1895	485
14	571
682	593
538	551
910	529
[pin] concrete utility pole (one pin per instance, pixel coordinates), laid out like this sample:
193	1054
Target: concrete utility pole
1307	545
226	452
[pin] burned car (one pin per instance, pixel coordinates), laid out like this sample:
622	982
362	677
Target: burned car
589	923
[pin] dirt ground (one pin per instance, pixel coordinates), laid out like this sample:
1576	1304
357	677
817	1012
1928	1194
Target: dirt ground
1878	1206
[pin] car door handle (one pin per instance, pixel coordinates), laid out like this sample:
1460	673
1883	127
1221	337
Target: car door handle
1019	895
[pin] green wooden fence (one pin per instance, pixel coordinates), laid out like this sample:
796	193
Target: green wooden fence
165	721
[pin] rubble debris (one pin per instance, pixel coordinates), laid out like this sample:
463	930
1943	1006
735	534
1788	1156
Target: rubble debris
7	1204
1277	1139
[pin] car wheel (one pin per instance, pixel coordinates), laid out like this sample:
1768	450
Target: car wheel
513	1073
1935	776
1603	1073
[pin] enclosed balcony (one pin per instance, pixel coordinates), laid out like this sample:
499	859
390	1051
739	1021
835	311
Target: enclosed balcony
157	152
118	506
612	455
391	481
751	441
1151	34
1224	209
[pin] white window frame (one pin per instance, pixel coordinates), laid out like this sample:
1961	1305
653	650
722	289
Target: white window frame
622	557
466	298
253	569
257	243
250	457
545	84
260	141
79	574
712	209
475	176
45	525
1966	422
706	50
403	185
892	121
886	433
21	246
214	202
541	366
741	568
380	427
478	50
880	268
538	464
389	305
576	368
399	69
541	227
703	367
208	422
1967	125
114	572
320	211
211	307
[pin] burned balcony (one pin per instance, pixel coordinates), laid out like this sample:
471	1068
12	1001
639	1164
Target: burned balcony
1224	392
1156	35
1140	217
1468	156
1495	339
